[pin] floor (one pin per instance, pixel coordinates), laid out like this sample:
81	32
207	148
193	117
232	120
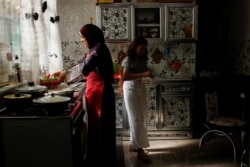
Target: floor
184	153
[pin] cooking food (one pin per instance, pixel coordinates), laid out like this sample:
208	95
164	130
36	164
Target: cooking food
50	81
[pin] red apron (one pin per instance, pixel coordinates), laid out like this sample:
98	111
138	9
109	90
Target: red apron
94	93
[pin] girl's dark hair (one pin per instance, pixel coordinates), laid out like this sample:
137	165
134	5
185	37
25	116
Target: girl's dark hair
92	34
131	52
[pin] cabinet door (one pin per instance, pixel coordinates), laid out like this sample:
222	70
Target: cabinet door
148	21
181	22
121	114
175	106
152	112
114	20
175	111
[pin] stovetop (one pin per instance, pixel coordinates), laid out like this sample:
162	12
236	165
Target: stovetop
33	109
36	110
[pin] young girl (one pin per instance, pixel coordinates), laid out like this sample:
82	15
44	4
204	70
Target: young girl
133	70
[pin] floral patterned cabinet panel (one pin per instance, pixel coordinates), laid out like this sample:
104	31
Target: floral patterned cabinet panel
176	108
152	106
181	22
121	114
115	21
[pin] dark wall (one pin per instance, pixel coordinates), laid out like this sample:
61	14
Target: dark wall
212	35
215	32
221	23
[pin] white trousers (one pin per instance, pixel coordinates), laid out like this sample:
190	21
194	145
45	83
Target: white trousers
136	106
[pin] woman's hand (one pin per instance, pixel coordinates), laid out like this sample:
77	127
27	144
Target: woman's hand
60	74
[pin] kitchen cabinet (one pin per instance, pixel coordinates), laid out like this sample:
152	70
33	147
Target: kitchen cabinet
170	96
148	21
152	106
122	124
181	22
114	20
158	22
169	113
121	114
175	102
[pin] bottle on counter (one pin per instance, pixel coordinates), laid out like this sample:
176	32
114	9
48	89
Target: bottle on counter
18	69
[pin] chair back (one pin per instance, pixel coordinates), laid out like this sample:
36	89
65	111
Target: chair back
212	106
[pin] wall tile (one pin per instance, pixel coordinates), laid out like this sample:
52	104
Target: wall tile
75	14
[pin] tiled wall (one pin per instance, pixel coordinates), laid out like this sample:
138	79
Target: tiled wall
74	14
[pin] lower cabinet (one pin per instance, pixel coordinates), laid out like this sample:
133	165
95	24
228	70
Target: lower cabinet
176	109
169	111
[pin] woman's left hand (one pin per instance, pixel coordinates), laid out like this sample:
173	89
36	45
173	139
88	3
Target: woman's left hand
60	74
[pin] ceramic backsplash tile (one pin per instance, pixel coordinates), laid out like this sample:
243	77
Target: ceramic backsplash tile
183	53
178	61
72	52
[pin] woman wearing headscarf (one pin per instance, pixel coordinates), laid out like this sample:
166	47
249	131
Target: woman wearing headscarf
97	67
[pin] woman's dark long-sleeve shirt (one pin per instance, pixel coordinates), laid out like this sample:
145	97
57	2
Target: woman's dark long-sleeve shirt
98	59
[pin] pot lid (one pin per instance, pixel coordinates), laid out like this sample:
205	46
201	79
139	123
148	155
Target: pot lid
49	99
61	91
35	88
17	96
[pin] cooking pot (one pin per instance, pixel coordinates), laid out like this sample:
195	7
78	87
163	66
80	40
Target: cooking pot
53	104
68	92
18	102
34	90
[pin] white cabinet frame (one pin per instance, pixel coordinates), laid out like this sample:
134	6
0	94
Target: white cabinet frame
160	25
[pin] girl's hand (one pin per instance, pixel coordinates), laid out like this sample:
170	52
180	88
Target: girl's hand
148	73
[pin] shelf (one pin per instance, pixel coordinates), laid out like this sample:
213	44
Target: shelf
147	25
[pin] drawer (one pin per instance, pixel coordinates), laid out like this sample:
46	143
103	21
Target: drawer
176	88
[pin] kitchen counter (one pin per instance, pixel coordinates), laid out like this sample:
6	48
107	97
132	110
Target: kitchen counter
62	134
8	88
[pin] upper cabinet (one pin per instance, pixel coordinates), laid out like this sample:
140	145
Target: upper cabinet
158	22
181	22
148	21
115	21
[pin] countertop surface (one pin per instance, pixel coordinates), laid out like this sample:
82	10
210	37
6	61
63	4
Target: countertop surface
8	88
